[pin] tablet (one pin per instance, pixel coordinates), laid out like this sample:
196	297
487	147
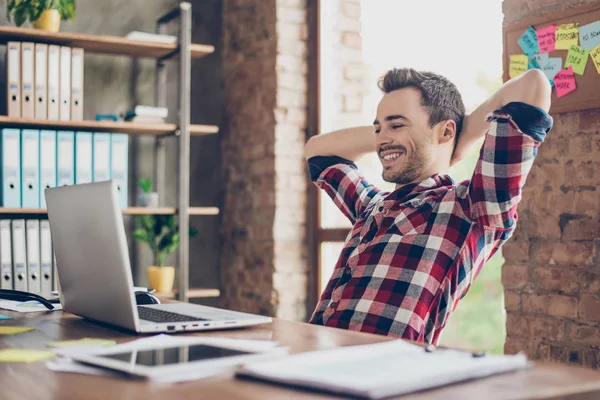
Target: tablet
157	361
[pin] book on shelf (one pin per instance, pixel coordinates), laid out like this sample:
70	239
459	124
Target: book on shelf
147	114
145	120
151	37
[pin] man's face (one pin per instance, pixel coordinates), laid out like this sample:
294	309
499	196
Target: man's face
404	140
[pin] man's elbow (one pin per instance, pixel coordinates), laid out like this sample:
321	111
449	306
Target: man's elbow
310	148
535	89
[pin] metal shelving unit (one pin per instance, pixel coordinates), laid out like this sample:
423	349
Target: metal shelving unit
181	52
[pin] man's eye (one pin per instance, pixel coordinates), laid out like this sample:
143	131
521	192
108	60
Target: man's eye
397	126
377	130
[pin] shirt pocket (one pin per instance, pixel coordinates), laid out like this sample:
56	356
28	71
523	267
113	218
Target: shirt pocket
413	219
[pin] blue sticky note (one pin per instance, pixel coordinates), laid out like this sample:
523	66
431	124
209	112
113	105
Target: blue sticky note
528	41
3	317
553	67
589	35
533	64
541	59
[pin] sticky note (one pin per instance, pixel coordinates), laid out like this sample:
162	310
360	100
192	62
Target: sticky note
541	59
13	330
518	65
577	57
564	82
3	317
24	356
528	41
546	38
595	56
552	67
82	342
567	35
589	35
533	65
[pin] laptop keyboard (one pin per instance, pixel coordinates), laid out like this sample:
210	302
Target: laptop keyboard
155	315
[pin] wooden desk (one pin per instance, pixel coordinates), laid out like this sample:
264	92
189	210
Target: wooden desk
35	381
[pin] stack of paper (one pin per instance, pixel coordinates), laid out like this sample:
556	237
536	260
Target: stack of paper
380	370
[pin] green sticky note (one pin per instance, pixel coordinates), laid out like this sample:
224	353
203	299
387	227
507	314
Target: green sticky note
13	330
577	57
24	355
3	317
82	342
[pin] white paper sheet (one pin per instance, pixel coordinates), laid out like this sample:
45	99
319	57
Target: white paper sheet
26	306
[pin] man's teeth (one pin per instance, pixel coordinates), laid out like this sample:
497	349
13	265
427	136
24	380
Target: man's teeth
391	156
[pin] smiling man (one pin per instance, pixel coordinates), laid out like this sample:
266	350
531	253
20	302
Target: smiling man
413	253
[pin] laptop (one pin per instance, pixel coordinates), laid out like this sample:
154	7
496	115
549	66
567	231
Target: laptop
92	260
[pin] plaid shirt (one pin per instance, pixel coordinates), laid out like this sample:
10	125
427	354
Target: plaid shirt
412	254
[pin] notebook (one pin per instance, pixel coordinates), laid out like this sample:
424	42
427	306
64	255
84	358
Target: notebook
381	370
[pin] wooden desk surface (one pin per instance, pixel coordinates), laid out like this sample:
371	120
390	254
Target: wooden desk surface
35	381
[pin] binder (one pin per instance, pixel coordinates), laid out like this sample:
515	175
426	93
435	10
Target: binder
11	168
32	229
64	110
65	149
13	75
119	171
77	84
101	157
53	98
47	163
27	79
18	253
83	157
30	168
41	75
6	255
45	257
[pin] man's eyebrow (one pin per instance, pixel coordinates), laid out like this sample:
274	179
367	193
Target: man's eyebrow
391	118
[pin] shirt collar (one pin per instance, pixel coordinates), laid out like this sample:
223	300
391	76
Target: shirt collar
412	190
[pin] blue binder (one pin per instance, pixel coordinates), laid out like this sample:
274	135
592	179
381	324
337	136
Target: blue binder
30	168
11	168
101	157
65	156
119	164
47	163
83	157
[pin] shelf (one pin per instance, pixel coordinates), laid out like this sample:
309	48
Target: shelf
192	294
127	211
99	43
104	126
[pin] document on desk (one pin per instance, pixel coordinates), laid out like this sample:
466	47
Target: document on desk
381	370
26	306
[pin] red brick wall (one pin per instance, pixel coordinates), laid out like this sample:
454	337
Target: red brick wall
551	276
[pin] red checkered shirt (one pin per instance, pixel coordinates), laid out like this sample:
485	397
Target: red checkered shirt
412	254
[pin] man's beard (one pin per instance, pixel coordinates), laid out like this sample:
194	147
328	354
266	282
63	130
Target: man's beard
410	171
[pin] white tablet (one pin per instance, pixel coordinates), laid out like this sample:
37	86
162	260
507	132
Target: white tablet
170	359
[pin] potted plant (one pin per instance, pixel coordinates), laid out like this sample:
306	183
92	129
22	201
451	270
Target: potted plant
146	197
43	14
161	233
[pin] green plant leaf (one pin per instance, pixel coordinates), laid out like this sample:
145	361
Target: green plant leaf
145	185
145	222
169	242
20	16
143	236
170	222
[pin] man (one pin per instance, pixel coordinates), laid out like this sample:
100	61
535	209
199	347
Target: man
413	253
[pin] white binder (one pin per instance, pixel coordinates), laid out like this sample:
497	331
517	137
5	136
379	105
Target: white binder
33	255
77	84
47	163
27	79
83	157
6	255
13	74
45	256
101	157
41	74
64	111
53	98
19	256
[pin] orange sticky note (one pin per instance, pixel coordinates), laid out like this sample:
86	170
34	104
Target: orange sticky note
564	82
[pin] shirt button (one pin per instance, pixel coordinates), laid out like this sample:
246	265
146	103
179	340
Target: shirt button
332	304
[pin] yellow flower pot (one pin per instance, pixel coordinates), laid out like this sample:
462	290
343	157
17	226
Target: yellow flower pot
48	21
161	278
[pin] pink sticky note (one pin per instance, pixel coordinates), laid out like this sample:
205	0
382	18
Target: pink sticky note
546	38
564	82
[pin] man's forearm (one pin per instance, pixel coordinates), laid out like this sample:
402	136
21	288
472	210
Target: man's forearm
350	143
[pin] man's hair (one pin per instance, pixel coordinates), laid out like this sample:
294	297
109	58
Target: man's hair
440	96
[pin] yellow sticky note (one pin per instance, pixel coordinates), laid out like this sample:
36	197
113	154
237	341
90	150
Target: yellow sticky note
577	57
82	342
518	65
24	355
595	55
13	330
567	35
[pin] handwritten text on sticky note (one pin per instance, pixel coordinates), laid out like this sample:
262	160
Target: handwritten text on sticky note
567	35
595	56
589	35
552	67
546	38
518	65
541	59
577	57
528	42
564	82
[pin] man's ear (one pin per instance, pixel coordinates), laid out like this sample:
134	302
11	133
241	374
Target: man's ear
447	131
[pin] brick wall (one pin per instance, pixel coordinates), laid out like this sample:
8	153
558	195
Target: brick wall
551	276
263	263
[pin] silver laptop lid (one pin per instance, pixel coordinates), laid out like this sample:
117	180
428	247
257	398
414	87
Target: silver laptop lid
92	257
